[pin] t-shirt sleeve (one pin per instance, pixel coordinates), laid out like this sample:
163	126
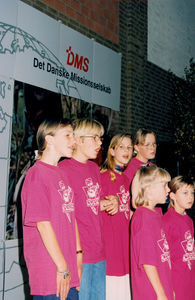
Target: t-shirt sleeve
146	245
35	196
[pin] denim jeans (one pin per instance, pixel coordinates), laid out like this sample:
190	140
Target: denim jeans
93	281
72	295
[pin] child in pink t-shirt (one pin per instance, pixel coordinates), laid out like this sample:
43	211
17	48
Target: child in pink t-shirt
179	231
84	176
150	258
116	228
50	234
145	147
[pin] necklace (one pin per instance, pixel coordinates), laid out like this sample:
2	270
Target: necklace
119	168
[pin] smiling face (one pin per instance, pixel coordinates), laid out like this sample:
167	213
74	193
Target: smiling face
183	198
147	149
122	153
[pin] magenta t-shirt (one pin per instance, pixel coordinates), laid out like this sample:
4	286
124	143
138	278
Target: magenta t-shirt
86	183
116	228
179	231
47	196
149	246
133	166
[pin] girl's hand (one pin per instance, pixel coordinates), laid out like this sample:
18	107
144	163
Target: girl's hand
112	208
104	204
63	285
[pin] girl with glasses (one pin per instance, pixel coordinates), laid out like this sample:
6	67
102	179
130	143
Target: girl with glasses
145	148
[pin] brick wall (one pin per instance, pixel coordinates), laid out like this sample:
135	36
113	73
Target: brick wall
99	16
157	102
146	89
134	54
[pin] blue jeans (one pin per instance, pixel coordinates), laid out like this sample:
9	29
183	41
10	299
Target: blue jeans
93	281
72	295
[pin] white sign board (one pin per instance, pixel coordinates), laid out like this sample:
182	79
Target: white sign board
38	50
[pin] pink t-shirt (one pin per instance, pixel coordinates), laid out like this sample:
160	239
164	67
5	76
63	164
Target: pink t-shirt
133	166
86	183
149	246
179	231
116	228
47	196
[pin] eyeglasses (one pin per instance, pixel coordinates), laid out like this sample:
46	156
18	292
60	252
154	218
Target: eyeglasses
147	146
96	138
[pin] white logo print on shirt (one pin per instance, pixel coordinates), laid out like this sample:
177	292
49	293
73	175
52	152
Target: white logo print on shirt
188	247
92	192
164	246
124	200
67	195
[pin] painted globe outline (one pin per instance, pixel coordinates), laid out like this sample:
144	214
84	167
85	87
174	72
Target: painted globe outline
13	39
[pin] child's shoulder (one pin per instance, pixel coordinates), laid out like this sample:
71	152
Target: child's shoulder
142	214
64	162
39	174
92	166
134	162
92	163
170	214
137	219
104	173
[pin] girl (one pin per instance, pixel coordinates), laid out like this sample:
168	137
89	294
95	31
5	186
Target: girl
150	259
116	228
179	230
50	240
145	147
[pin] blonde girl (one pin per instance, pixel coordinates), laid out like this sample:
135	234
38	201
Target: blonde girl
179	230
150	259
116	228
84	176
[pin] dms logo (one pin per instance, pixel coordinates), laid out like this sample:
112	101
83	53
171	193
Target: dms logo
79	62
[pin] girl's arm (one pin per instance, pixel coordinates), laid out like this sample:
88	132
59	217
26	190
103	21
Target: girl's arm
79	254
152	274
49	239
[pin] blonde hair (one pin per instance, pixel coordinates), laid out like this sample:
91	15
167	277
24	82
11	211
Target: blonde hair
140	136
144	177
48	127
176	183
85	126
110	163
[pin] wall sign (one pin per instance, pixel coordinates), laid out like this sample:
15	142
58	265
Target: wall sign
48	54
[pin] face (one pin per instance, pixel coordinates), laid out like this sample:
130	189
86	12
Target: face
157	193
147	150
88	146
122	152
183	198
64	141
